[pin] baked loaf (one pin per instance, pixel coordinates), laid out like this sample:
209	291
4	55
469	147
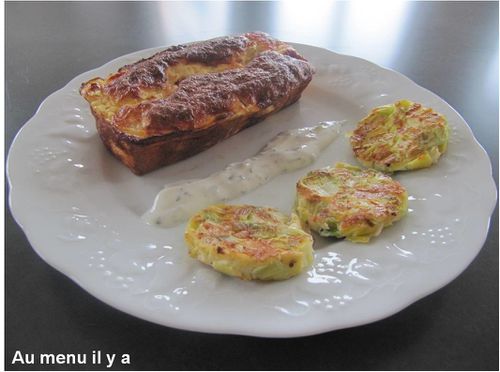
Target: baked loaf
187	98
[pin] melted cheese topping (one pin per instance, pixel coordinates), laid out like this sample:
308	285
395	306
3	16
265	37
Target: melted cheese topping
157	77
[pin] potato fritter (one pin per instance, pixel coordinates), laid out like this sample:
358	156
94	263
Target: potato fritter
249	242
401	136
347	201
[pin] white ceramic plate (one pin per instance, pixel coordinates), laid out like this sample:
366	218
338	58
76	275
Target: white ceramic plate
81	208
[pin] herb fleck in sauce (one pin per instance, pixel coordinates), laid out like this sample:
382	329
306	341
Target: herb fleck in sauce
288	151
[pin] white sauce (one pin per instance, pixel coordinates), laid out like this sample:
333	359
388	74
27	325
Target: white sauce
288	151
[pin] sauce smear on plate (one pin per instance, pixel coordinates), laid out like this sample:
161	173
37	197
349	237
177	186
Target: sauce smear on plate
288	151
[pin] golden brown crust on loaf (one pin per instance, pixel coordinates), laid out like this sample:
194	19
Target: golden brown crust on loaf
187	98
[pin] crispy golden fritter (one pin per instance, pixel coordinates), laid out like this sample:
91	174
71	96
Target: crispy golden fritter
401	136
249	242
347	201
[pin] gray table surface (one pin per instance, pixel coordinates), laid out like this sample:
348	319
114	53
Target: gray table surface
448	48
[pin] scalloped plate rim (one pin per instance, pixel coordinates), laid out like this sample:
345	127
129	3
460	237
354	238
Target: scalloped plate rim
491	195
